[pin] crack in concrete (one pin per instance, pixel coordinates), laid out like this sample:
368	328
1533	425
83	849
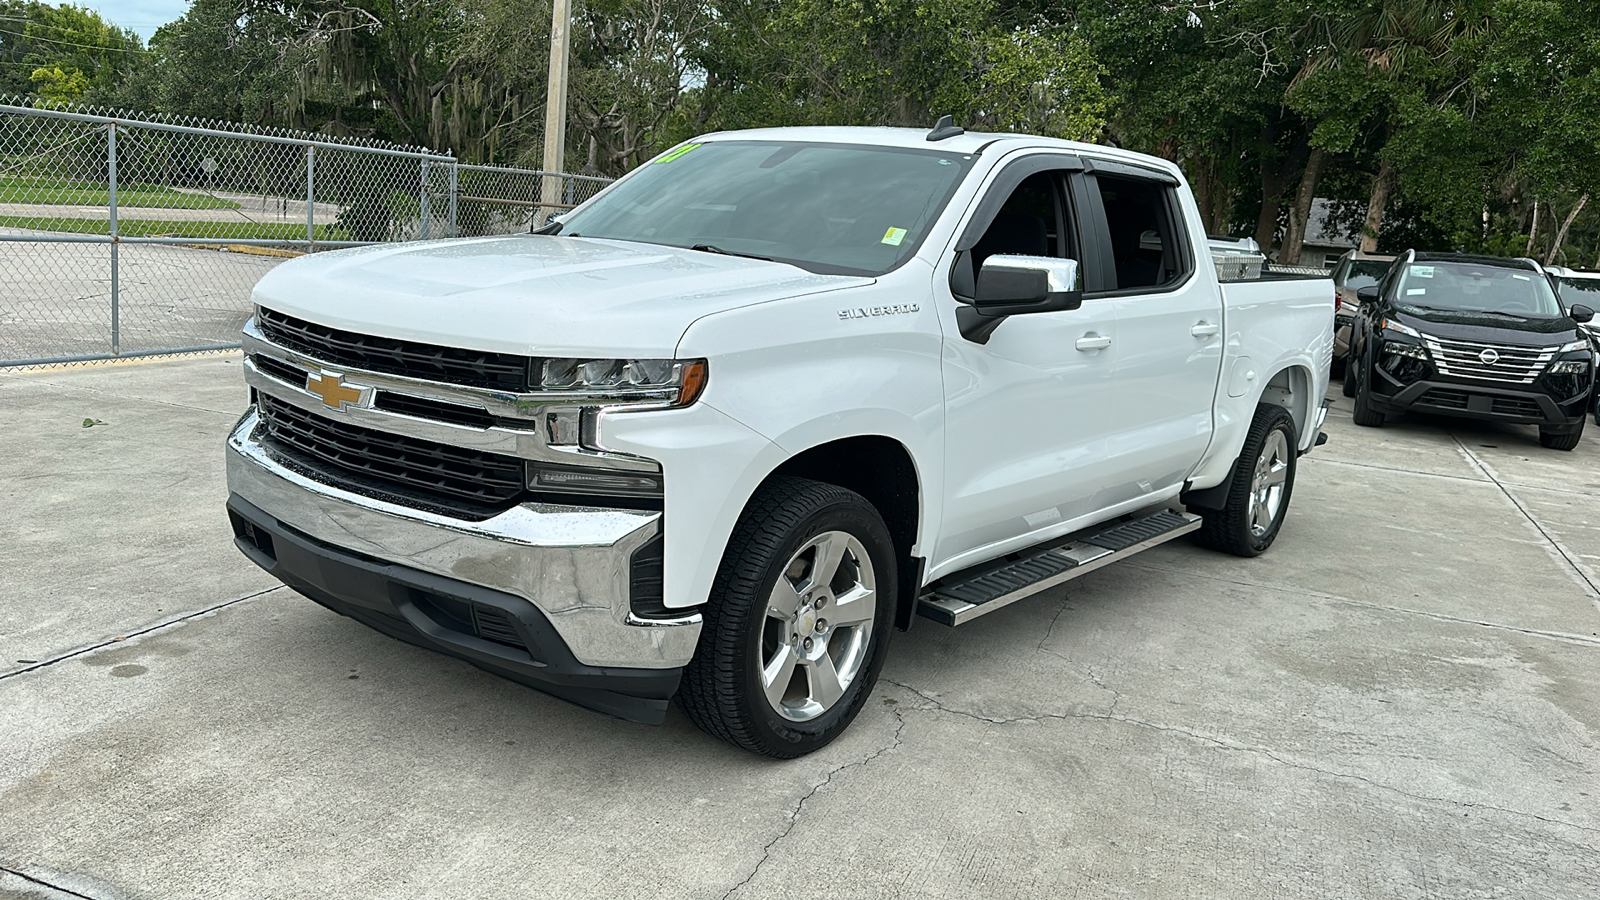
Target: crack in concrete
133	634
1230	745
1323	460
45	884
800	805
1564	636
1578	568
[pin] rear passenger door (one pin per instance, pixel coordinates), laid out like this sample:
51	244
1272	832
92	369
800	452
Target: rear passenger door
1169	324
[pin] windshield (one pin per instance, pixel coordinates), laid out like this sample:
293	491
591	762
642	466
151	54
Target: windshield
1581	290
1365	273
828	208
1476	288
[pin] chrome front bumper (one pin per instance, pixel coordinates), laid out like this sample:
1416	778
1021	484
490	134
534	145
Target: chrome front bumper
572	563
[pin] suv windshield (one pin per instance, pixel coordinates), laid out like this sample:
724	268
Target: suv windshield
1476	287
827	208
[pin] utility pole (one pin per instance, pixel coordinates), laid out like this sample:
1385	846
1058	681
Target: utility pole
555	110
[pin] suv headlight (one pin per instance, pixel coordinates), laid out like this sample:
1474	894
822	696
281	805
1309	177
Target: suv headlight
1574	346
1569	367
1401	328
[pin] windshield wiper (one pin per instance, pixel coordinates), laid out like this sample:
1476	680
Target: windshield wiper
711	248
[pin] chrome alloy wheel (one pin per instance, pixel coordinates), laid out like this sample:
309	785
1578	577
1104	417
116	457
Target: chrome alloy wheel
818	626
1266	487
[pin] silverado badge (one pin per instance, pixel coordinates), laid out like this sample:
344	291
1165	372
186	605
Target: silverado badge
331	388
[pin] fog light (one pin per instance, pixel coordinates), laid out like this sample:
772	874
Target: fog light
587	480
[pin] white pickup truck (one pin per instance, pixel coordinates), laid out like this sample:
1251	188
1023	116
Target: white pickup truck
718	432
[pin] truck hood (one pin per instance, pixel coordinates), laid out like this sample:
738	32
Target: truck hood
531	295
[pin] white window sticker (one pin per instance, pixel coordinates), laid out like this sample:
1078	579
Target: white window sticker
1413	292
1422	271
894	236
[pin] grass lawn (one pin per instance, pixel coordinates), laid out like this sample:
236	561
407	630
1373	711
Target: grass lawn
277	231
85	193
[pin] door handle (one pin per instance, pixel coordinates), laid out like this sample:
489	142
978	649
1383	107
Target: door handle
1093	341
1204	329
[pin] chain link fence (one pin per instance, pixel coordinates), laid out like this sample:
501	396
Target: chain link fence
124	235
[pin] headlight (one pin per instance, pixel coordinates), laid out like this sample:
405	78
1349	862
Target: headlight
1569	367
1399	328
1574	346
1397	348
676	381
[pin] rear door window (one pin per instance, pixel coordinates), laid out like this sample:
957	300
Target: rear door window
1143	247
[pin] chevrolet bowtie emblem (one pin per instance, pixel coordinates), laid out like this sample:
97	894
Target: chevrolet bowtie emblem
332	389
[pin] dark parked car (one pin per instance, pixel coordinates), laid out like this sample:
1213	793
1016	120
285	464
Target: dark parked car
1474	336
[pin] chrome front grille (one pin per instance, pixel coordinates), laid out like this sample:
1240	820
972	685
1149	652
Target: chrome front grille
462	482
1489	362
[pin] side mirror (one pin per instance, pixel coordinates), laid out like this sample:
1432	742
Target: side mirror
1014	285
1368	294
1581	314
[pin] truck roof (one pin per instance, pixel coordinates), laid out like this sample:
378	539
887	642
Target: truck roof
917	138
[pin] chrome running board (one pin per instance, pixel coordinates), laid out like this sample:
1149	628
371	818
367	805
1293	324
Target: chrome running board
968	594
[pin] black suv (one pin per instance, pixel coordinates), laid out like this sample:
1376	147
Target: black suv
1474	336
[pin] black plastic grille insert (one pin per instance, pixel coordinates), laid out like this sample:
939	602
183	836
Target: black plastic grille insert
470	483
448	365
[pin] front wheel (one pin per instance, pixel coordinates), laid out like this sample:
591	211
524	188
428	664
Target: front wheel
797	625
1362	412
1259	489
1562	439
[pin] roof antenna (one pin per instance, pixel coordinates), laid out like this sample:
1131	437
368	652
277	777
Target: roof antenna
946	128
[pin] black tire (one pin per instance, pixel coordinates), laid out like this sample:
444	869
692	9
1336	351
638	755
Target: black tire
1348	387
1363	413
1562	439
722	690
1232	529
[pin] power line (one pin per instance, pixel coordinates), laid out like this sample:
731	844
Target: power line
34	37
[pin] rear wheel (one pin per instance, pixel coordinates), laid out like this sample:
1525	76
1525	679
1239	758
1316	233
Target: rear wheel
1562	439
798	621
1258	490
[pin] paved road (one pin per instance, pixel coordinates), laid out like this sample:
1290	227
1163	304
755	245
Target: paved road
1402	699
56	299
251	208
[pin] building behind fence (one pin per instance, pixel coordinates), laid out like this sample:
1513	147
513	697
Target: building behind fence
125	235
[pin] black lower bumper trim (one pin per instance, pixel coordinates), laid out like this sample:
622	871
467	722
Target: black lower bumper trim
1473	401
446	615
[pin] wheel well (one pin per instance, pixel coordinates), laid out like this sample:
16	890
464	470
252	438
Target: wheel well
1291	389
879	469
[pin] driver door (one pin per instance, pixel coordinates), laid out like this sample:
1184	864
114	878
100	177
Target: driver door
1028	409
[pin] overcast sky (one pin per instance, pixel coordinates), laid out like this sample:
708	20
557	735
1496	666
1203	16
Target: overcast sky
143	16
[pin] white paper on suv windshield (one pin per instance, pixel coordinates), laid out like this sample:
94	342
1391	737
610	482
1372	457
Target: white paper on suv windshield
828	208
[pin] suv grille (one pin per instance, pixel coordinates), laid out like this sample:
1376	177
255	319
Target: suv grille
447	365
1466	359
462	482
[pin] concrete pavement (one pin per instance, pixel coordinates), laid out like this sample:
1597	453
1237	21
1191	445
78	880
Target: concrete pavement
1401	699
